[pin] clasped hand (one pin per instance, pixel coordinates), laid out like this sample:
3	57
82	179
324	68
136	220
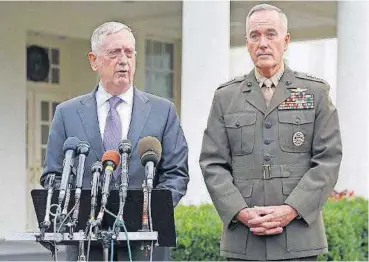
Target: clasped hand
268	220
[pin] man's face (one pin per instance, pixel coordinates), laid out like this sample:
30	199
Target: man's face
115	61
266	39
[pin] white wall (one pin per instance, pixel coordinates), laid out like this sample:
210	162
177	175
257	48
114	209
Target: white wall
12	132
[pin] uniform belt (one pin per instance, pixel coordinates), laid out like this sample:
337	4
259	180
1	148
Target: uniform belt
269	171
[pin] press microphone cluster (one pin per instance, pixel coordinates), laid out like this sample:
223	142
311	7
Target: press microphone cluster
149	150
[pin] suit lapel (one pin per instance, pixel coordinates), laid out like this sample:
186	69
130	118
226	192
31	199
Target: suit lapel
140	112
281	91
253	93
88	114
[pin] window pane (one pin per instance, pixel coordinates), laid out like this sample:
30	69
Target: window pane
169	86
148	81
44	134
55	75
43	154
55	56
168	56
54	108
44	111
148	51
157	55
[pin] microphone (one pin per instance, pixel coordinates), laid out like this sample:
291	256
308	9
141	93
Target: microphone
83	149
110	161
69	149
96	170
124	148
46	223
149	149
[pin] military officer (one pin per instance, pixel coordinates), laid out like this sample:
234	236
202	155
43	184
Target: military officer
271	151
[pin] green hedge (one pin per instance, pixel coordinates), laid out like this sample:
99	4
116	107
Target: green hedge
199	228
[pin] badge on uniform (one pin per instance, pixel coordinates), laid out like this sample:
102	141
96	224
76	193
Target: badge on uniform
298	138
298	100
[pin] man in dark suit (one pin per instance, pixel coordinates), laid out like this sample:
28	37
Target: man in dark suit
116	110
271	151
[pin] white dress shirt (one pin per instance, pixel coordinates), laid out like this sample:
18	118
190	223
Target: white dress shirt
124	109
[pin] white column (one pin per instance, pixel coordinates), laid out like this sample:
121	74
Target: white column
205	65
352	94
13	126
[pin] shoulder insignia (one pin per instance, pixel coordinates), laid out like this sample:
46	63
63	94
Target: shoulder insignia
310	77
234	80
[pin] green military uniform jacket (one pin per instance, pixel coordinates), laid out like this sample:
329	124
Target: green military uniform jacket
288	153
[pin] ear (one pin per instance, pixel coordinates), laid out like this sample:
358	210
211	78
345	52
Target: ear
93	60
287	40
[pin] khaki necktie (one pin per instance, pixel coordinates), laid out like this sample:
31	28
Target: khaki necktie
267	90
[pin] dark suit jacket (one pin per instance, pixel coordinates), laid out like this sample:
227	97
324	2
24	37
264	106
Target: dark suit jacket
151	116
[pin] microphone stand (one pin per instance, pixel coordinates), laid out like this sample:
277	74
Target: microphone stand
145	222
64	212
83	149
123	188
46	223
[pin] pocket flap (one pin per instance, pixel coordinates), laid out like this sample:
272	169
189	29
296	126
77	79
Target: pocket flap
245	187
289	185
239	120
295	118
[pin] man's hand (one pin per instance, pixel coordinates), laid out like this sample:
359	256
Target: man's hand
283	214
268	227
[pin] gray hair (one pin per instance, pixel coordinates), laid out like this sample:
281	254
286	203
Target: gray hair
265	7
105	29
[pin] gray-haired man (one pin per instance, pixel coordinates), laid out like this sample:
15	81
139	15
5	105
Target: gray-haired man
271	151
116	110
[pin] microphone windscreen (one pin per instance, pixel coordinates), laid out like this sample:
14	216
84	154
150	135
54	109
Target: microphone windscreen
70	143
111	155
83	148
96	167
149	149
125	146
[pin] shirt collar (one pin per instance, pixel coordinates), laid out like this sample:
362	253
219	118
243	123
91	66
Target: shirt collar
275	78
103	96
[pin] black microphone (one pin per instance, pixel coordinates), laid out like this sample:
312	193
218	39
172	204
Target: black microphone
96	170
83	149
69	149
124	148
149	149
110	161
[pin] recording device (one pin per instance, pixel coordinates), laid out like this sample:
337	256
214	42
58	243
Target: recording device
46	223
83	149
96	170
124	148
110	161
149	149
70	150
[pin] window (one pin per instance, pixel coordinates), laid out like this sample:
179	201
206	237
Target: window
53	74
159	69
47	113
